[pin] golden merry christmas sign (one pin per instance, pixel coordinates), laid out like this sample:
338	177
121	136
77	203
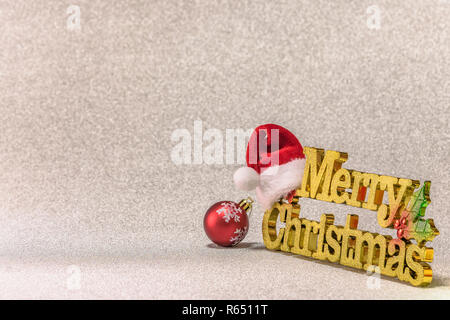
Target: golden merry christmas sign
407	257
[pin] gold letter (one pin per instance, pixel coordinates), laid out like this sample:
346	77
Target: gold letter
407	186
371	180
421	274
313	181
338	186
325	221
353	200
271	240
335	243
395	264
291	238
351	236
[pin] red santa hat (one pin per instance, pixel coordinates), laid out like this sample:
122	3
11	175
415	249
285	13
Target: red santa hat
275	163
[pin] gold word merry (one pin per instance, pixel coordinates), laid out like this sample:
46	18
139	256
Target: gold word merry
325	179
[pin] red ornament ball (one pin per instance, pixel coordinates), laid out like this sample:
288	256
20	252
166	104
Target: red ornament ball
226	223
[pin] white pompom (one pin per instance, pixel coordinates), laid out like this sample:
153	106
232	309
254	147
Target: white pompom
246	179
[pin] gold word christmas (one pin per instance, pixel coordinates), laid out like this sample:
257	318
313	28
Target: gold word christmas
325	179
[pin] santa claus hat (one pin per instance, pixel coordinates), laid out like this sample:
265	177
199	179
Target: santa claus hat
275	163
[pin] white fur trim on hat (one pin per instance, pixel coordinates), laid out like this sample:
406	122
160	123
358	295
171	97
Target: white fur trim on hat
246	178
277	181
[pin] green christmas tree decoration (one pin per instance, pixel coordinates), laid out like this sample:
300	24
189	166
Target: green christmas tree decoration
412	224
419	201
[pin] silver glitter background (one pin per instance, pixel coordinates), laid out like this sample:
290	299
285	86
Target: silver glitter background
86	118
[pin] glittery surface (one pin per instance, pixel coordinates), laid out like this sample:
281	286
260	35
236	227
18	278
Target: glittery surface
86	177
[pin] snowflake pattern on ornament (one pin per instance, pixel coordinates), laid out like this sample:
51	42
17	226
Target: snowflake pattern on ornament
230	211
240	234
